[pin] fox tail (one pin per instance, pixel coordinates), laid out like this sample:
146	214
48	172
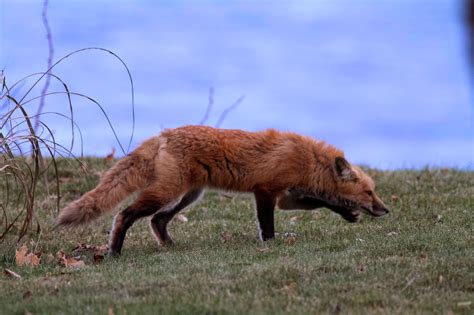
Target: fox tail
126	176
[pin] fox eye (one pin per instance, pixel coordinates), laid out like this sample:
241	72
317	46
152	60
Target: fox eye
369	192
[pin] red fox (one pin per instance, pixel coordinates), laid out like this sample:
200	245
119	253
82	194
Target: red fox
171	170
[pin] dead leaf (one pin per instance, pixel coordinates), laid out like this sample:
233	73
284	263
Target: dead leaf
50	258
102	249
409	283
64	180
440	279
69	261
20	255
226	237
395	198
181	218
32	259
291	287
98	252
228	196
98	258
289	238
464	304
263	250
74	263
317	215
11	273
295	219
81	247
27	295
111	311
24	259
110	157
392	233
59	255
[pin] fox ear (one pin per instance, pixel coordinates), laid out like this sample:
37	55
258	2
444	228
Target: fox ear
343	169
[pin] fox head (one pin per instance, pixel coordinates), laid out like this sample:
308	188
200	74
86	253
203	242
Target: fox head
354	192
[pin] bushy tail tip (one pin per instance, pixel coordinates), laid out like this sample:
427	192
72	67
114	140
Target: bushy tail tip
77	213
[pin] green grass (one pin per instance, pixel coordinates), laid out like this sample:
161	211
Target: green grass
417	259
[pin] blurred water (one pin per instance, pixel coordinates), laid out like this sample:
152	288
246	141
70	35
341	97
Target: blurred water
386	81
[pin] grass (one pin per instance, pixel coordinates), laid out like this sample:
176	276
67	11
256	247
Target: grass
417	259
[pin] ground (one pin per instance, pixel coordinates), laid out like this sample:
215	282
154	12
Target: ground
417	259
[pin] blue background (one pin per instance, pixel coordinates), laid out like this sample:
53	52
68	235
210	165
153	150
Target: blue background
387	81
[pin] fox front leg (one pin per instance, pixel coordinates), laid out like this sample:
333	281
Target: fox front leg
265	202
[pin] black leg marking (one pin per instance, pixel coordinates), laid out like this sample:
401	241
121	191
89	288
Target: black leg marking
160	220
124	220
265	214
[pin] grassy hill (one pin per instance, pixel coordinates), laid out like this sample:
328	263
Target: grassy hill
417	259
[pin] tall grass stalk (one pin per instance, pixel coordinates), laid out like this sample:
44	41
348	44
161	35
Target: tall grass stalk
29	155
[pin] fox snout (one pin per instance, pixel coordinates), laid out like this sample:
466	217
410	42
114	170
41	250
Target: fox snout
378	212
378	208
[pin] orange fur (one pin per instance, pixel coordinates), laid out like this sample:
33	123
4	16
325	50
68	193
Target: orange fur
167	167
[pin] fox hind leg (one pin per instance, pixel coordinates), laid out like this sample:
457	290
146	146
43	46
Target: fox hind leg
146	204
160	220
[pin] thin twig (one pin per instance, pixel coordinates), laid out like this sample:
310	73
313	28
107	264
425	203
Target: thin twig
409	283
228	110
50	61
210	104
100	49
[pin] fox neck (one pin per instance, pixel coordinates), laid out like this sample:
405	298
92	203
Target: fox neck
320	181
330	198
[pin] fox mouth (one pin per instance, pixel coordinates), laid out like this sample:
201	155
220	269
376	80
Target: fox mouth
375	212
355	214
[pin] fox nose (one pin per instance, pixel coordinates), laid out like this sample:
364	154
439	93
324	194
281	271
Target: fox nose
381	211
